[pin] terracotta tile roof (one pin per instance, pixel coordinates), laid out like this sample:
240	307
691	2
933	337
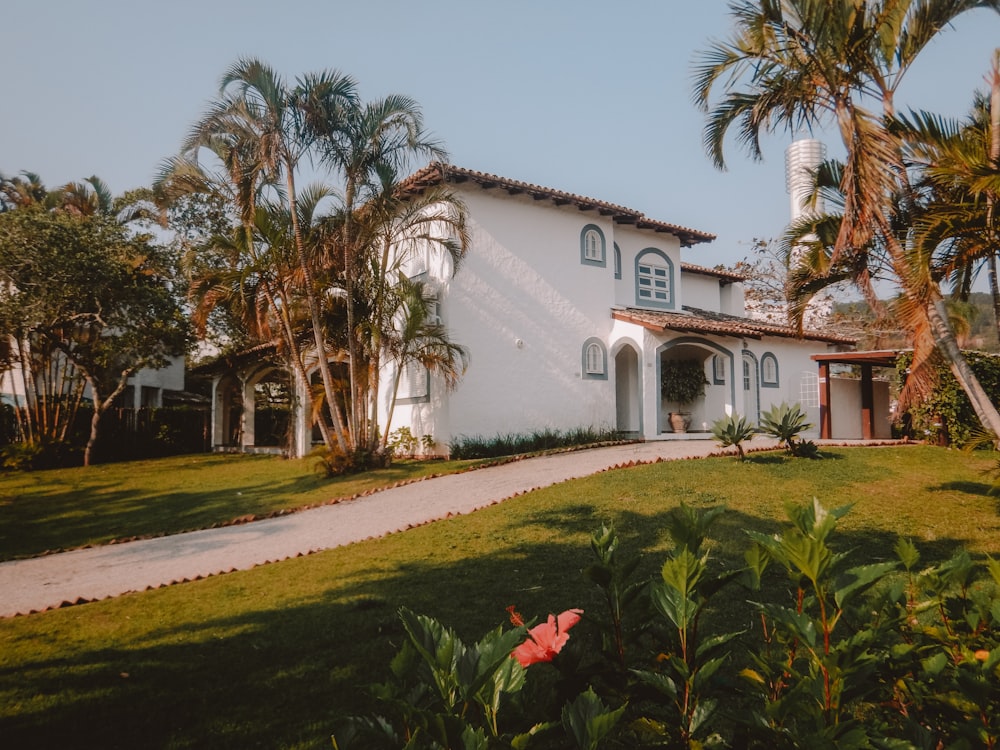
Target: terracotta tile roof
718	273
438	172
704	321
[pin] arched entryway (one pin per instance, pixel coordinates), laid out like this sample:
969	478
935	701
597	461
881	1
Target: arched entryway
272	410
628	390
718	368
228	422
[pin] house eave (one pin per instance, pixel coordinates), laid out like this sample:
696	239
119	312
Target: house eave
437	173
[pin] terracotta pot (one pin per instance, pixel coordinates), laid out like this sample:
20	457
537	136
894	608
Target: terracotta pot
680	421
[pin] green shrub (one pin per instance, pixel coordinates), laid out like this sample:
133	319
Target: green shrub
882	655
467	447
333	462
945	415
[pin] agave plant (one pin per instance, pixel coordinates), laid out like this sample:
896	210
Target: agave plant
786	422
733	430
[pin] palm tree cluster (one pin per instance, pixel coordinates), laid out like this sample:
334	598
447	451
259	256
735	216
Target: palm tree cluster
318	271
913	199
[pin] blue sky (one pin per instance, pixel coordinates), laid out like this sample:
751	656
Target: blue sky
583	96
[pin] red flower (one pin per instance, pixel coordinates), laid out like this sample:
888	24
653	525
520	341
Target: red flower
546	640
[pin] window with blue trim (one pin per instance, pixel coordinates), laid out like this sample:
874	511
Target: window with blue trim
592	249
595	360
414	384
618	261
654	279
768	370
719	369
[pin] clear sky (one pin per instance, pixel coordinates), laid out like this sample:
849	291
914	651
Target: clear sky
583	96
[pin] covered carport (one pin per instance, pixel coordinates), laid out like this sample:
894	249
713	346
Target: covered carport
870	413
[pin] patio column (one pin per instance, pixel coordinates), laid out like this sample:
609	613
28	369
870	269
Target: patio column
824	401
867	403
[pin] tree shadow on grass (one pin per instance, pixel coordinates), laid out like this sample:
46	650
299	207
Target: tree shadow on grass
272	657
970	488
57	521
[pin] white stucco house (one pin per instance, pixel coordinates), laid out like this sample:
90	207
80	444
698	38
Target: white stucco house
146	388
569	306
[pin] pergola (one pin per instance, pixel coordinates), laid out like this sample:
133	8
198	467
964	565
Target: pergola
867	361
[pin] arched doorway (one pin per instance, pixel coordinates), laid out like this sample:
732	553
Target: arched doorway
628	405
272	410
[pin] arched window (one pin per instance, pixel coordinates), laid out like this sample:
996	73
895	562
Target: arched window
592	250
595	360
718	369
768	371
654	279
618	261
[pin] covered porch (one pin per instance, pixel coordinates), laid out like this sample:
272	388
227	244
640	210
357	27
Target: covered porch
852	408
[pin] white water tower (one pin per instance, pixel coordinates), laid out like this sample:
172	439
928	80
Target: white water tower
801	160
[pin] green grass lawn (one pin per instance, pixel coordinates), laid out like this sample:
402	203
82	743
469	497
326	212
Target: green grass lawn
70	508
270	657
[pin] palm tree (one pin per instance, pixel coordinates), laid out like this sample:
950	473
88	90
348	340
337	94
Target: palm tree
86	198
959	163
418	338
256	124
806	63
21	191
358	143
397	324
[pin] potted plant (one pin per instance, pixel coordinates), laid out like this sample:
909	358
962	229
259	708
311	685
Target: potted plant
681	382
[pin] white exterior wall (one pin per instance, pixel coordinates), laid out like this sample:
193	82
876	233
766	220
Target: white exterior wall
797	377
845	412
170	378
524	305
732	298
703	292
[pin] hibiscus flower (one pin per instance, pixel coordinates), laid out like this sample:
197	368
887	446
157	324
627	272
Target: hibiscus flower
547	639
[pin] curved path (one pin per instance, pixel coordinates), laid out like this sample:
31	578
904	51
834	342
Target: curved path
41	583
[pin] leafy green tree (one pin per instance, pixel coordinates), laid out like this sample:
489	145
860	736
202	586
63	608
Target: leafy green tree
87	290
806	63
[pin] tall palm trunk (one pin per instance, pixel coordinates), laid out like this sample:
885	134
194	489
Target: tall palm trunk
352	349
927	295
994	79
375	361
314	314
931	304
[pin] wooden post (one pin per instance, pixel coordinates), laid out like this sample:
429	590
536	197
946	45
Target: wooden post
824	401
867	403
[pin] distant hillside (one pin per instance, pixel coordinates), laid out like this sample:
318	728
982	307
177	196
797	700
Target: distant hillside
973	322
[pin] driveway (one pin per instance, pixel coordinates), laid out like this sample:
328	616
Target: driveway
56	580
